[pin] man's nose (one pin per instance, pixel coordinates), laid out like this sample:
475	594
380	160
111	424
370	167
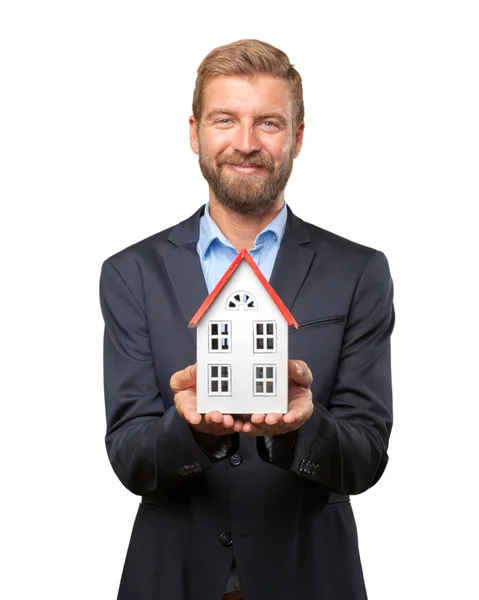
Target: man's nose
246	140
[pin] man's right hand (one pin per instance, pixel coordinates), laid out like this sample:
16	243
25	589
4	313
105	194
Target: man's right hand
183	384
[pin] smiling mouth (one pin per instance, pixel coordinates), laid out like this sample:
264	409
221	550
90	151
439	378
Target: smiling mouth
246	169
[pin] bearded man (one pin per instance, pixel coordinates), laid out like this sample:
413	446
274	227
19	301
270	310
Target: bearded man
247	506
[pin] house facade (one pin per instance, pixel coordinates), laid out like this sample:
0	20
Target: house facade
242	344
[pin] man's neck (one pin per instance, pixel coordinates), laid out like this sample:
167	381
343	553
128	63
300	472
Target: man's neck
241	230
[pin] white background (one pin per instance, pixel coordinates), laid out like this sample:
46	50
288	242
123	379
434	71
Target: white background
95	99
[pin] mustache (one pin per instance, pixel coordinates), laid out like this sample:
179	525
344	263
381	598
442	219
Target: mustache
246	160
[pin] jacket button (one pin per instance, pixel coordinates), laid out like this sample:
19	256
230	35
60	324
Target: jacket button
236	460
225	538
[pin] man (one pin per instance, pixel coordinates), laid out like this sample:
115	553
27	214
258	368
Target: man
236	506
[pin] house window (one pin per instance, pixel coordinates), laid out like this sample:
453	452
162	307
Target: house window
241	299
264	336
264	380
219	380
220	336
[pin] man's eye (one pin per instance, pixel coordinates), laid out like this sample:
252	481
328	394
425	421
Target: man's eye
269	124
226	121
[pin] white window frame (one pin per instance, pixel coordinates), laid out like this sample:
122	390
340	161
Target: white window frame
264	379
241	294
265	336
220	336
220	378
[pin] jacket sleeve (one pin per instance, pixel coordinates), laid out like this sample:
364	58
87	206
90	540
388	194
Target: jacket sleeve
344	447
148	444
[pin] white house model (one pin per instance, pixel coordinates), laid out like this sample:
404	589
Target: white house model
242	344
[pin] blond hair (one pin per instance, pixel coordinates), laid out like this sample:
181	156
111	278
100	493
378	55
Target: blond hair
249	58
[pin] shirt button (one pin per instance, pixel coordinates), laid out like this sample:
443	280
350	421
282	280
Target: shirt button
225	538
235	460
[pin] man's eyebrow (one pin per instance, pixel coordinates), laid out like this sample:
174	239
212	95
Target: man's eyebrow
275	116
217	112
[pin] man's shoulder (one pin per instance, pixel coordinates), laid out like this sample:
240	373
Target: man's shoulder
347	259
337	245
344	256
154	246
142	248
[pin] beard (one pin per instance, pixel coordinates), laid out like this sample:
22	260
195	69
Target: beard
247	194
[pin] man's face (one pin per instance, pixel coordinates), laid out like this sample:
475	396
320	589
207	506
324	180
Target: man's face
245	141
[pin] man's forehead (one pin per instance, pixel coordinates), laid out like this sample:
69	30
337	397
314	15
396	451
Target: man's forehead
262	93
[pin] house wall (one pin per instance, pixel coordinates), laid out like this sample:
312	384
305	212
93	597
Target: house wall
241	356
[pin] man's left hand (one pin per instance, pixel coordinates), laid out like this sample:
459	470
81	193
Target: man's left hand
300	405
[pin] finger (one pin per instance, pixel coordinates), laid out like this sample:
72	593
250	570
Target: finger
290	417
181	380
300	373
300	409
214	416
257	418
247	426
238	425
192	416
228	421
273	418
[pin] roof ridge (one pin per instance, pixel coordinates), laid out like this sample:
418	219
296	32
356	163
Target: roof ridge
242	254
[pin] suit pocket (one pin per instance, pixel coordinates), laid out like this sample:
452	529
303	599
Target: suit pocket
321	322
335	498
324	502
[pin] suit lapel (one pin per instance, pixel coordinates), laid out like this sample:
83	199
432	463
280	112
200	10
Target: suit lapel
184	270
293	261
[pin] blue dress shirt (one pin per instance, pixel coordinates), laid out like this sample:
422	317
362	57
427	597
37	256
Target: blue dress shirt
217	253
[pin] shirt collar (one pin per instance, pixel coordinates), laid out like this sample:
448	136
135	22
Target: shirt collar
209	231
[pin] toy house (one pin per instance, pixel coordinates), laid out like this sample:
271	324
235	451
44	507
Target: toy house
242	344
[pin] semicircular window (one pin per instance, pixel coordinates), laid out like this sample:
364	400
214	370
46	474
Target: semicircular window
244	299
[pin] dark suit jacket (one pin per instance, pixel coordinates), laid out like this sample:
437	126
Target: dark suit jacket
291	530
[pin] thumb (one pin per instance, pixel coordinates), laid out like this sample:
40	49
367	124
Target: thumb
184	379
300	373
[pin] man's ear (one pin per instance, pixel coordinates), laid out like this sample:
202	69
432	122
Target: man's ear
298	142
194	142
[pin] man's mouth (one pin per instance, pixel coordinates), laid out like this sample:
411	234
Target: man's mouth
244	168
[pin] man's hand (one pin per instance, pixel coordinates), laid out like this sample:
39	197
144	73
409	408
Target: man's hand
183	384
300	405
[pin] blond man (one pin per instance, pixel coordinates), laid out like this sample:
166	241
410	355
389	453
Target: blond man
252	506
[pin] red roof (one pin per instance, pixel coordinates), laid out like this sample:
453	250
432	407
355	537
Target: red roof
244	254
